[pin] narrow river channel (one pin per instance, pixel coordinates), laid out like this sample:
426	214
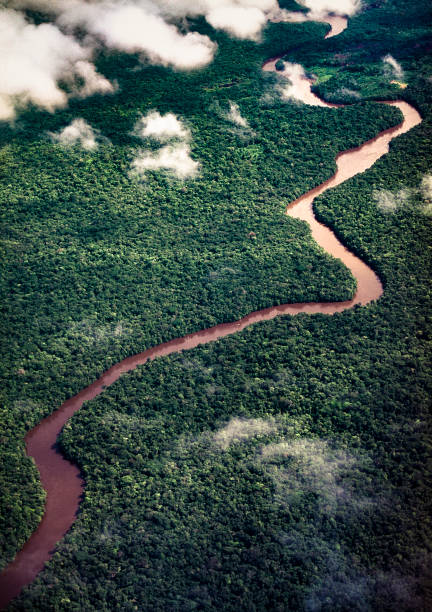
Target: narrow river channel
61	479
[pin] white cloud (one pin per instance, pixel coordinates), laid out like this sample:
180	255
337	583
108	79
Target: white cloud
312	466
408	199
78	132
298	86
134	28
7	108
389	202
147	24
346	94
386	201
239	430
242	18
334	13
394	65
234	116
174	158
319	8
426	192
295	74
92	81
239	21
161	127
426	187
33	58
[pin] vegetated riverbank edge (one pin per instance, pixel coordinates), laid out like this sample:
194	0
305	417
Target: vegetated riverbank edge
61	479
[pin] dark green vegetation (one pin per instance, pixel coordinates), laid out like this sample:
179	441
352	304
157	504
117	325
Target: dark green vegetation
100	267
350	67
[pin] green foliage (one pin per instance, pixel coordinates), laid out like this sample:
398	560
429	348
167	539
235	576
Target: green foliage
97	267
350	66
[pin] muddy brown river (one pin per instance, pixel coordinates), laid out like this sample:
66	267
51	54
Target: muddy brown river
61	480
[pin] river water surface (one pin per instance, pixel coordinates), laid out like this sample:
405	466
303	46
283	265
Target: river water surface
61	479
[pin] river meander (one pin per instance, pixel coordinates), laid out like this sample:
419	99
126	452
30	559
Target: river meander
61	479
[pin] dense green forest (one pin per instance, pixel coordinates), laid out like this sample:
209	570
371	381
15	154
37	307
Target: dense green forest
286	467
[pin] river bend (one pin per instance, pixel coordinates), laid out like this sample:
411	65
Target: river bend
61	479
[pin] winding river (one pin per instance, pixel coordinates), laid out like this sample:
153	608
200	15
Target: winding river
61	479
